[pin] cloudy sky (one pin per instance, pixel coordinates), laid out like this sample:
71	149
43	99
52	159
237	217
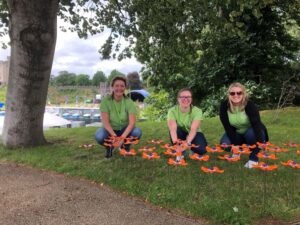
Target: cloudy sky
81	56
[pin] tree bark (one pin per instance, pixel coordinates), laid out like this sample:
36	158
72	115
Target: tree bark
33	27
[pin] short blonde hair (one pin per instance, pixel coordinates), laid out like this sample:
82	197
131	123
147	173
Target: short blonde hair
244	99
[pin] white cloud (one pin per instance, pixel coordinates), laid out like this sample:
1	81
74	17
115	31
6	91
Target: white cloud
81	56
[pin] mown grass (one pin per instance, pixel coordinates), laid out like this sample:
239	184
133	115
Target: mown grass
239	196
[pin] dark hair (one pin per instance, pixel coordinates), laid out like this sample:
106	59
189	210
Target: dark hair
118	78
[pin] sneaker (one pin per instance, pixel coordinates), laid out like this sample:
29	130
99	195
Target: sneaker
250	164
179	158
235	155
108	153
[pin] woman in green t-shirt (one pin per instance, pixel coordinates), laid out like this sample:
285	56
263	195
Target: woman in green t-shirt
184	122
118	114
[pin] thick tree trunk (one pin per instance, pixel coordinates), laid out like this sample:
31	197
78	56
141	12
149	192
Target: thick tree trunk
33	27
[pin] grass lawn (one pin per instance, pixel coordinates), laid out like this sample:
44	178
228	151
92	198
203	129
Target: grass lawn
238	196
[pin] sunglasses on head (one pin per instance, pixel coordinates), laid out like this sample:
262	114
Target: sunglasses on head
232	93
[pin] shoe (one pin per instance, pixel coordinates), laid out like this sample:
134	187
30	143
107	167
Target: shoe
179	158
250	164
108	153
235	156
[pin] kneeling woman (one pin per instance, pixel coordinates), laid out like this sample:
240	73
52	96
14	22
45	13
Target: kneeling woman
184	121
118	114
241	121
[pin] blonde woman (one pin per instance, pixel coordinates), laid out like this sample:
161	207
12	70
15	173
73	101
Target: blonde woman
241	121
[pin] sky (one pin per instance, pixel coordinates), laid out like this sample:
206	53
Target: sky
81	56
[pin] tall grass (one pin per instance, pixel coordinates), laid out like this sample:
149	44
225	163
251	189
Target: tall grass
236	197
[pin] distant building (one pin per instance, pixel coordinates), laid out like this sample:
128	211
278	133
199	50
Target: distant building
4	71
104	88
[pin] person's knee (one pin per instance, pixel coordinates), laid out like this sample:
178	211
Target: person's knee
100	136
136	132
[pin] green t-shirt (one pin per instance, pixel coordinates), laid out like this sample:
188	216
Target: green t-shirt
118	111
239	120
184	120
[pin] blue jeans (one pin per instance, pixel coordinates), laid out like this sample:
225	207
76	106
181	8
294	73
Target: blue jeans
198	140
248	138
102	134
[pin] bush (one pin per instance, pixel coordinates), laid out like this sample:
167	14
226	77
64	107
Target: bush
157	106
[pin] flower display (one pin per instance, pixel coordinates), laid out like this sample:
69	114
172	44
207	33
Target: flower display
223	145
213	169
131	140
123	152
240	150
150	155
229	158
292	164
264	145
198	157
113	141
265	155
265	167
146	149
86	145
155	141
170	152
276	149
291	144
213	150
173	162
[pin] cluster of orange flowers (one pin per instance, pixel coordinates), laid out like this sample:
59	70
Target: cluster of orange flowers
180	147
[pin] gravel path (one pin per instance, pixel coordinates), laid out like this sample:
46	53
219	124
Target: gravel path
31	196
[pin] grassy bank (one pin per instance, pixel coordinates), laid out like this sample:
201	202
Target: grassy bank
238	196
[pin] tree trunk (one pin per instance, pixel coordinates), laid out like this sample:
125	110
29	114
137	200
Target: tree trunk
32	33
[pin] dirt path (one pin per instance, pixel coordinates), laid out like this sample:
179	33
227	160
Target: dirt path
31	196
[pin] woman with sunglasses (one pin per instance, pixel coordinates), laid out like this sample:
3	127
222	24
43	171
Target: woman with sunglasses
241	121
184	122
118	114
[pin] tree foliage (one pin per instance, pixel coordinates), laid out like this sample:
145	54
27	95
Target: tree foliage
134	82
83	80
98	77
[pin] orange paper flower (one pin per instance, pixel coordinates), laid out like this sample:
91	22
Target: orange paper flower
198	157
213	150
298	152
223	145
131	140
213	169
276	149
291	163
264	145
247	146
123	152
177	163
229	158
155	141
265	167
150	155
86	145
170	152
291	144
240	150
146	149
264	155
